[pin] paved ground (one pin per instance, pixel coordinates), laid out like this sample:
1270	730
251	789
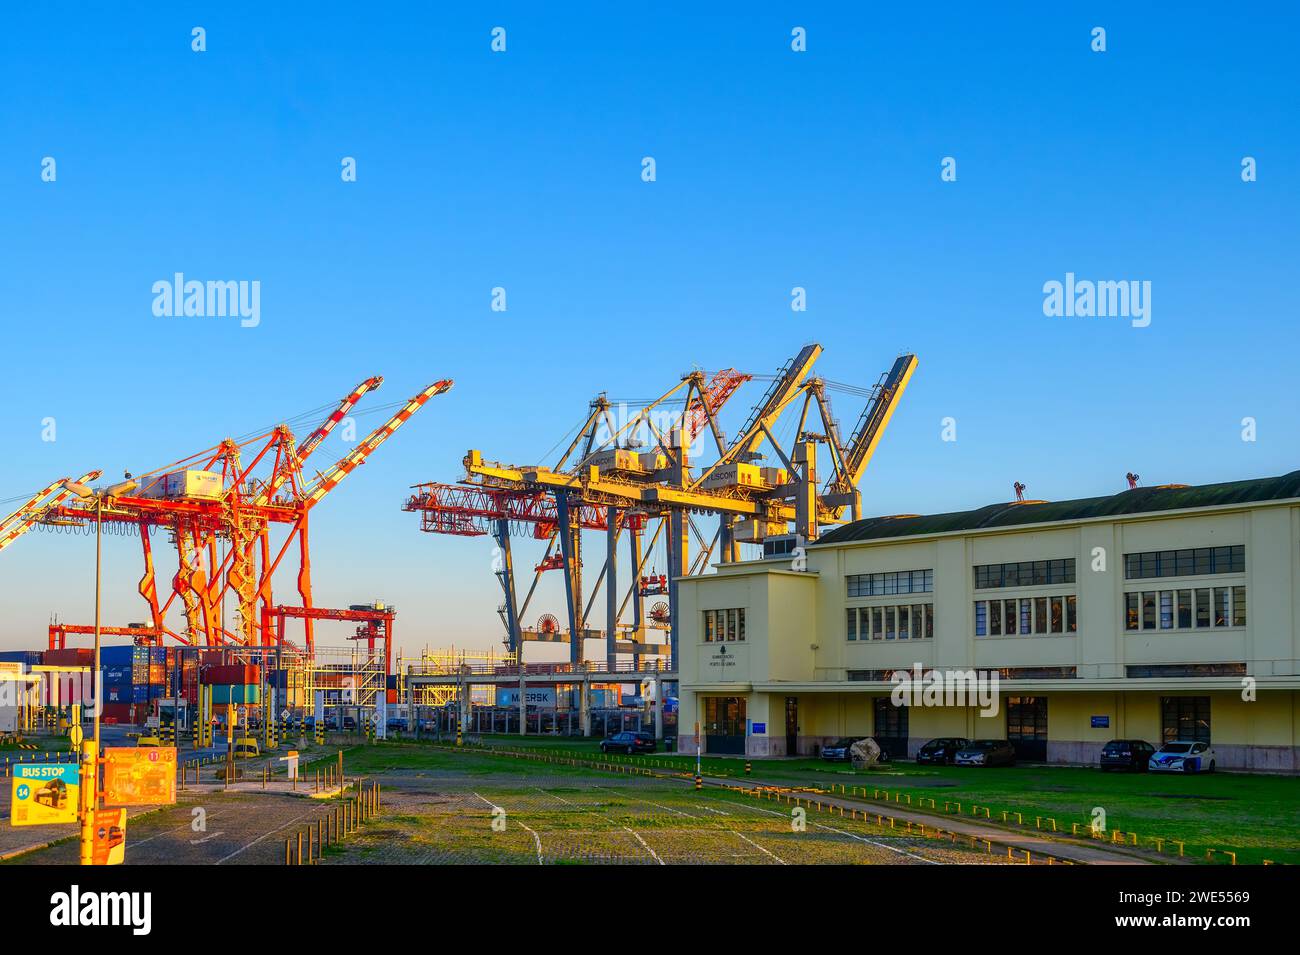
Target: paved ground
239	828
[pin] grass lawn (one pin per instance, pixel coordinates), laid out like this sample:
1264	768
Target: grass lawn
1258	817
439	806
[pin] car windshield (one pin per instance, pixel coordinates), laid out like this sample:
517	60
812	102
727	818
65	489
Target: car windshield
1115	747
1176	748
982	744
844	743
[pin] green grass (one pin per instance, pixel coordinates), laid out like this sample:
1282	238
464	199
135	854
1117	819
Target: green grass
1255	816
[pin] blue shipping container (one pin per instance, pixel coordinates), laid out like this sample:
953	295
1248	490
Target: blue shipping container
29	657
116	656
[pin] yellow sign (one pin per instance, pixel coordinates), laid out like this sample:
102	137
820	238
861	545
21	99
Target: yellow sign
110	837
139	777
75	736
44	793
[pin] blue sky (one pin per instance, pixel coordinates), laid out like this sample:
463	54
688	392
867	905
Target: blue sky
775	169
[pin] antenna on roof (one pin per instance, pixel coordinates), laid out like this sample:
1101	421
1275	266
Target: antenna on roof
1132	479
1020	490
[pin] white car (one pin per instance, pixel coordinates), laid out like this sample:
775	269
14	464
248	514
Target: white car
1182	756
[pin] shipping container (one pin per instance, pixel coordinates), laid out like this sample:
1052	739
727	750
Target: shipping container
71	657
116	713
116	656
29	658
187	483
224	694
157	674
231	674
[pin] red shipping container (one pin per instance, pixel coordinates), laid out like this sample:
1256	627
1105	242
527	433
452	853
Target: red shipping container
116	713
232	675
71	657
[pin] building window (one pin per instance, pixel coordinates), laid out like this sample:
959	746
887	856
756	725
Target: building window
892	622
890	584
1026	616
724	625
1147	671
1185	718
1025	573
1201	608
1189	562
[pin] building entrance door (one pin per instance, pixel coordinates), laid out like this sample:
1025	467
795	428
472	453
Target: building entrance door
724	725
1027	727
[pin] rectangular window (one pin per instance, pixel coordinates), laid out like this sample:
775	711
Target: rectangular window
1040	614
1148	610
1184	609
904	619
1188	562
1025	573
1009	616
724	625
852	623
894	582
1203	607
877	623
1222	607
1058	615
1026	616
1132	620
1238	606
1166	610
1072	614
890	623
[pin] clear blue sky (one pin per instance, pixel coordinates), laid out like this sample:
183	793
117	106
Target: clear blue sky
775	169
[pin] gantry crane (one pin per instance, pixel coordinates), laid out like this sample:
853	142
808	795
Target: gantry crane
231	507
754	504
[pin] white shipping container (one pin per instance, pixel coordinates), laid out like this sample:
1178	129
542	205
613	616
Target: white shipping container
189	483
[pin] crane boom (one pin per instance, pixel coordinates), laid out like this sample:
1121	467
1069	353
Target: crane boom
22	520
875	416
778	395
313	440
348	463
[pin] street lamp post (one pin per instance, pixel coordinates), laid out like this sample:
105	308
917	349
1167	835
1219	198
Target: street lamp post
90	750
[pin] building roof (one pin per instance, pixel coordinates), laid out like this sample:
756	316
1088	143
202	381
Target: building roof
1141	500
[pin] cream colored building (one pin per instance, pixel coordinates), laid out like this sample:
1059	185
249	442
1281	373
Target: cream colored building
1156	613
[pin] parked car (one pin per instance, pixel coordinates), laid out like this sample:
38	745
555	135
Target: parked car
942	750
1182	756
986	752
628	743
1130	754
